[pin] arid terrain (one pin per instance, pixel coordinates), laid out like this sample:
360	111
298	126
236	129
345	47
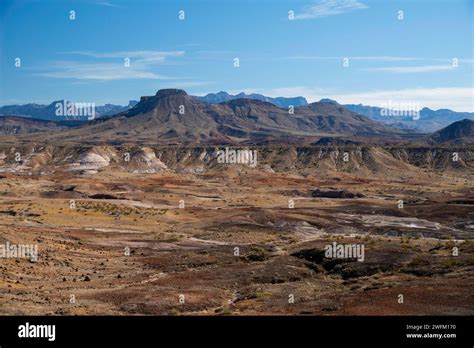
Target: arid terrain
169	231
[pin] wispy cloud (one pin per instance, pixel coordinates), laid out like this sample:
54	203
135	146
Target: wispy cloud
434	66
97	71
325	8
138	56
379	59
385	58
455	98
413	69
360	58
108	66
107	3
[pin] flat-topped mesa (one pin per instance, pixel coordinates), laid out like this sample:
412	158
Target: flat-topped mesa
327	100
162	93
145	98
164	99
169	92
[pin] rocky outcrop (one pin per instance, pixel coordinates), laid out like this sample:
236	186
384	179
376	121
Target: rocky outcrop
322	193
308	160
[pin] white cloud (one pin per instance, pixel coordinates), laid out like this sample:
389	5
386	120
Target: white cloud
362	58
461	61
455	98
108	66
102	71
324	8
394	69
385	58
138	56
413	69
107	4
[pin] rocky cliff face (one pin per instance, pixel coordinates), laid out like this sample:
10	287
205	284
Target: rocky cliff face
357	159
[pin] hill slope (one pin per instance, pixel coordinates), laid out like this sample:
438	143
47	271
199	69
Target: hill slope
460	132
21	125
173	117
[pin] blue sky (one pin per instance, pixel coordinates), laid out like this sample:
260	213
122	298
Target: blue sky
389	60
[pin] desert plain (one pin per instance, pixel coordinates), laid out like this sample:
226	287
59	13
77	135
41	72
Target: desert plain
170	231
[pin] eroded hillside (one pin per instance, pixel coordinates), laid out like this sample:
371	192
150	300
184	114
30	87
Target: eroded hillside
170	230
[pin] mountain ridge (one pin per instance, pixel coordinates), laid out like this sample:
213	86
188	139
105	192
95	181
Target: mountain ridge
429	120
459	132
172	116
283	102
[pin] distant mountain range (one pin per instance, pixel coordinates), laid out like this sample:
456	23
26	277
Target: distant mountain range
48	112
282	102
173	117
21	125
428	121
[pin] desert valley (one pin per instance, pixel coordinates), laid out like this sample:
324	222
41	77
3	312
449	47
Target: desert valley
136	212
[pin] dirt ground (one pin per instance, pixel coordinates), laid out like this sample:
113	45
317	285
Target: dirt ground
236	242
